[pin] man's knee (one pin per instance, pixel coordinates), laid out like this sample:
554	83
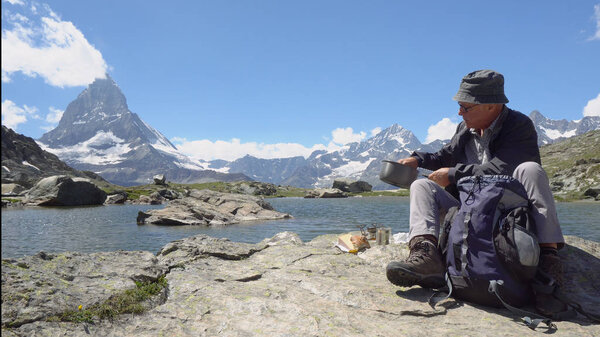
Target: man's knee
528	167
423	186
530	171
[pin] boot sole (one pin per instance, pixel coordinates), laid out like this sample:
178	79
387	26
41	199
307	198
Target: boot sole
403	277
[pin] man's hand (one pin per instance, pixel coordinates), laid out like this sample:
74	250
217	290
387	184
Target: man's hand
410	161
440	176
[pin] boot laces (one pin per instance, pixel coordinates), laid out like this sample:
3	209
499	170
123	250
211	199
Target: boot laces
420	252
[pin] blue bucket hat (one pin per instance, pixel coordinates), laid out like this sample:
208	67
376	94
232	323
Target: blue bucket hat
482	87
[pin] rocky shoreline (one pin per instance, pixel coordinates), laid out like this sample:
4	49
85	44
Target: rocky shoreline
280	286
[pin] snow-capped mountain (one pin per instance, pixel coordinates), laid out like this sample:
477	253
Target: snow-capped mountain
550	130
99	133
359	160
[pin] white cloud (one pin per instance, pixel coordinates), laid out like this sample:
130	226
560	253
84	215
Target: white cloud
15	2
43	45
597	19
54	116
592	107
443	130
375	131
234	149
346	135
12	115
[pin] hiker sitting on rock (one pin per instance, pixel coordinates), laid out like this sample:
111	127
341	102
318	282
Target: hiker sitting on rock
491	140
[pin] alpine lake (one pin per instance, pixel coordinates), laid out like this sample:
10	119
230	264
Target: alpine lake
29	230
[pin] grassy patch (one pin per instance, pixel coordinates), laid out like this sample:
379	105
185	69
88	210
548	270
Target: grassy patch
11	200
129	301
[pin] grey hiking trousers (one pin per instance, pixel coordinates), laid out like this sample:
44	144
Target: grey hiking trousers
429	203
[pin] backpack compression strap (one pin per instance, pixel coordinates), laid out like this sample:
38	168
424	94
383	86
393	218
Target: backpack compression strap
531	323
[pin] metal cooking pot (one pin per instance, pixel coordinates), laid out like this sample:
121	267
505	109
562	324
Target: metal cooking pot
397	174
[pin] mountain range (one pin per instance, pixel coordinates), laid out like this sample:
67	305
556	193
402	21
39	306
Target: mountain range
99	133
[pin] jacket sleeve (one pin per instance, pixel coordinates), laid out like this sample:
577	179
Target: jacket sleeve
445	157
516	143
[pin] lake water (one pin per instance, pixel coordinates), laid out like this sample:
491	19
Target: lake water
27	231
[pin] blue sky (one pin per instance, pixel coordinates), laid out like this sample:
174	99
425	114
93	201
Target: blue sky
222	79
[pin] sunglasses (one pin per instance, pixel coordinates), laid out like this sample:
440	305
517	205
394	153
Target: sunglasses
466	109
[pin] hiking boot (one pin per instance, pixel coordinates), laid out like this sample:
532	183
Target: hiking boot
423	267
546	304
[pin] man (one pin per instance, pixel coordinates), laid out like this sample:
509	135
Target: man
492	139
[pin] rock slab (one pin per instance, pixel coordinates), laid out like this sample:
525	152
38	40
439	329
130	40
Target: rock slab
211	208
278	287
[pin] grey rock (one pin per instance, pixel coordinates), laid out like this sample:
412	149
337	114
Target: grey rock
350	185
34	288
210	208
290	288
159	179
326	193
117	198
592	192
10	190
168	194
63	191
153	199
253	188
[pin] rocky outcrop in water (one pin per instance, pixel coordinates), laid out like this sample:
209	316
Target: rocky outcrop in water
280	286
326	193
116	198
349	185
64	191
210	208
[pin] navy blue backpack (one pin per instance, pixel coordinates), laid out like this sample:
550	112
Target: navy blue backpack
489	245
491	251
491	239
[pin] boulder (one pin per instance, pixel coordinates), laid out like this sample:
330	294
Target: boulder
159	179
349	185
10	190
153	199
209	208
168	194
63	190
280	286
117	198
326	193
253	188
592	192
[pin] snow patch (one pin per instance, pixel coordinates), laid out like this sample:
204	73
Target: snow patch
353	168
6	168
27	164
91	151
555	134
